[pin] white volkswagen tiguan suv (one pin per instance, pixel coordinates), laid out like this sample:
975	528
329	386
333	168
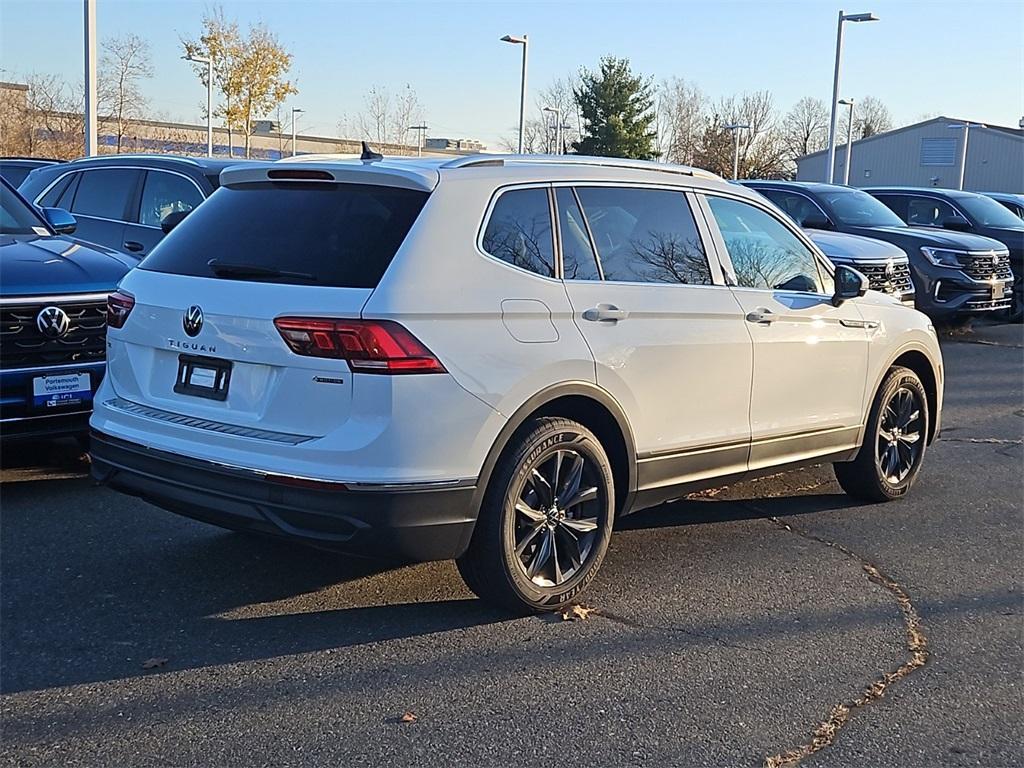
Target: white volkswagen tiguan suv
491	358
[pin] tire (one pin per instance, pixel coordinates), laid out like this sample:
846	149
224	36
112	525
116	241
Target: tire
529	552
888	461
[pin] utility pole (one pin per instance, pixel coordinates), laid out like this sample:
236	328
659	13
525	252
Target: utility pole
90	78
523	41
849	140
843	17
736	128
295	111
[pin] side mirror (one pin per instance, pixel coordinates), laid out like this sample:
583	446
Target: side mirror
60	221
816	221
956	223
850	284
171	220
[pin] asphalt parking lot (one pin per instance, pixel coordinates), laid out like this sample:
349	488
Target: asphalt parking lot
767	623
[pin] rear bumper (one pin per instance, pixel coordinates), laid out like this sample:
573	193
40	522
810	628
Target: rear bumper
391	522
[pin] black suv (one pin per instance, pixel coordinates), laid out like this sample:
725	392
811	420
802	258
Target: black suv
126	202
961	212
954	272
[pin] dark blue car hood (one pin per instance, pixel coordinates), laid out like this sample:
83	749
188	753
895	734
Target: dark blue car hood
33	265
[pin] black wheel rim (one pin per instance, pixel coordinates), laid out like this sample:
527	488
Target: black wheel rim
900	431
557	517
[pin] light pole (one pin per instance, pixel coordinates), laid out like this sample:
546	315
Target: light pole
849	140
856	17
963	147
208	61
736	128
295	111
523	41
90	78
421	131
558	128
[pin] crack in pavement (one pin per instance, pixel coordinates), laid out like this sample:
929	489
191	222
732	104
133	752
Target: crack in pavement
825	733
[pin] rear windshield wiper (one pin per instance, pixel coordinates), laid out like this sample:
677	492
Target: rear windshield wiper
254	270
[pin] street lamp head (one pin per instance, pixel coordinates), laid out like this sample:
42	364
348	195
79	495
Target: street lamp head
859	17
958	126
515	39
296	110
556	110
846	102
736	126
196	59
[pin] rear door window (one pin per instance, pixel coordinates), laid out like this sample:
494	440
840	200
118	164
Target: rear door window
519	231
338	235
645	235
165	193
578	260
104	193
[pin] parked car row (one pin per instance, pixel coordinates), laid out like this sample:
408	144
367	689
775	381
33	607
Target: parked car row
957	265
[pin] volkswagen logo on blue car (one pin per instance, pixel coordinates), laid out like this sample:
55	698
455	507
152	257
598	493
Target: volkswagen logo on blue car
53	322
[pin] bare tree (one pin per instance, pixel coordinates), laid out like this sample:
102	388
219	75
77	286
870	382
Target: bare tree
46	120
385	119
762	147
871	116
682	116
540	133
805	127
125	63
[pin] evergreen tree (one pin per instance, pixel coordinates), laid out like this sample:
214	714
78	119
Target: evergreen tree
617	108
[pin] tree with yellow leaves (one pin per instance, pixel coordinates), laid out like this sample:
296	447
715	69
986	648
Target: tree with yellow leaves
249	71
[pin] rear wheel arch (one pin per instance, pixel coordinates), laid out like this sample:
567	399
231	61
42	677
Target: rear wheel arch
592	407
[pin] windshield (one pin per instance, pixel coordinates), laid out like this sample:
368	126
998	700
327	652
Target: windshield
859	209
986	212
17	217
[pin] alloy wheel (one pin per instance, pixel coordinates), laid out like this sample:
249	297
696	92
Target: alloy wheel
556	517
899	435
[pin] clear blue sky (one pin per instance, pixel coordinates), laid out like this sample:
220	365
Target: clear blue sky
954	58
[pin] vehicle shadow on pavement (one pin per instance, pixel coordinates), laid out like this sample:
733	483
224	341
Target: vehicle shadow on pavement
701	511
95	584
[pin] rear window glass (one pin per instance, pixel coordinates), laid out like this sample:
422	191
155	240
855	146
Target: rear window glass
338	235
14	174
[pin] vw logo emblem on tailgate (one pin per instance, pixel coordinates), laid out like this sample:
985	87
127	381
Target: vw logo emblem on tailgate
192	321
53	322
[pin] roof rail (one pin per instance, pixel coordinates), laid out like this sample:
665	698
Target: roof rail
470	161
139	156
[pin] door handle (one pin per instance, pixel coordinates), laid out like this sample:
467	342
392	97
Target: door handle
133	245
761	316
605	313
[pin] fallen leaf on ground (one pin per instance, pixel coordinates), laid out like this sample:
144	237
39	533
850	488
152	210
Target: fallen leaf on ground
577	613
153	663
408	717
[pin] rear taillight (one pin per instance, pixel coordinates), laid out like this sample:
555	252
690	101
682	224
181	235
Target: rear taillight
369	346
119	306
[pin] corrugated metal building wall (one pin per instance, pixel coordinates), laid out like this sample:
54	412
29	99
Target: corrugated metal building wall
928	155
